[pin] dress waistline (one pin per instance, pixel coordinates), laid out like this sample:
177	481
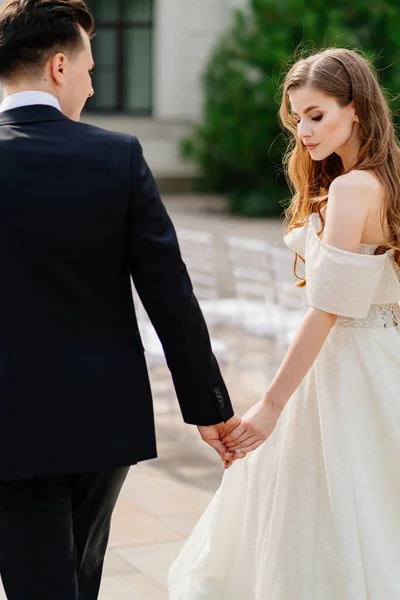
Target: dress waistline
380	316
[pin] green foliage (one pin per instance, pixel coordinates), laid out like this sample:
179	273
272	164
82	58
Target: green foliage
239	144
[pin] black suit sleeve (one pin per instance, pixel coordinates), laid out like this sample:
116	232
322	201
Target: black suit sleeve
164	286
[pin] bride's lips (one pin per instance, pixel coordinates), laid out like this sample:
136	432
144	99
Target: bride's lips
311	146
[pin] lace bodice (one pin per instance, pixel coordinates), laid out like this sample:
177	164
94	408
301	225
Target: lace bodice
359	286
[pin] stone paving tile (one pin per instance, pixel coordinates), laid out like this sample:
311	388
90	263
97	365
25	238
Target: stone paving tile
154	560
114	565
182	523
138	528
131	587
164	498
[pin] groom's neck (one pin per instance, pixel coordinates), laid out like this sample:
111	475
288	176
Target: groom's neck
15	87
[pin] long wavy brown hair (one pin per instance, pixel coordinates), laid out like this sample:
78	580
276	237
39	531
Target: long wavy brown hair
347	76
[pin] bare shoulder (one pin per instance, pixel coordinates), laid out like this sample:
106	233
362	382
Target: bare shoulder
358	183
352	198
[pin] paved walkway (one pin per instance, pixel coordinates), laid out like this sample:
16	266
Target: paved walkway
155	514
162	499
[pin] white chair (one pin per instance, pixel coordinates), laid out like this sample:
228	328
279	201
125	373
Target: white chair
155	353
256	308
151	345
198	253
290	298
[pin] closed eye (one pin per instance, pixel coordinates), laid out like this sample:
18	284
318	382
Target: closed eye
297	119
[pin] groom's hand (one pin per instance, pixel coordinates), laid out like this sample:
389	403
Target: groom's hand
213	434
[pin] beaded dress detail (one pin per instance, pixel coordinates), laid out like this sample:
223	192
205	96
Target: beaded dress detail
314	513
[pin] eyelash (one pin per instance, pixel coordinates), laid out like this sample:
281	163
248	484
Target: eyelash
312	119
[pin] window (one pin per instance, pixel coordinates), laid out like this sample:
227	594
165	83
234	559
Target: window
122	51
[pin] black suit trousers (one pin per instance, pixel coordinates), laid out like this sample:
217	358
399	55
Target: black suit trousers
54	533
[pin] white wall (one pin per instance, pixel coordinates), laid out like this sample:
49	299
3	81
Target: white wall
185	32
168	60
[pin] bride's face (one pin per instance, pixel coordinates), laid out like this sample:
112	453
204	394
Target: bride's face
323	125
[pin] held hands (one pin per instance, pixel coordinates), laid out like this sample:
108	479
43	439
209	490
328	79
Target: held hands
256	427
213	435
235	438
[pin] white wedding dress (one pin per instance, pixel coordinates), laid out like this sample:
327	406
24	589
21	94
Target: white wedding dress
314	513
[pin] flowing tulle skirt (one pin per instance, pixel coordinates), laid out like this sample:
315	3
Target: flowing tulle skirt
314	513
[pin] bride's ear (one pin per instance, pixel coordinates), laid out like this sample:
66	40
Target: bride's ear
353	112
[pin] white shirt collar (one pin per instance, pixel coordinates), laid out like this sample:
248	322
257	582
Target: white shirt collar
29	98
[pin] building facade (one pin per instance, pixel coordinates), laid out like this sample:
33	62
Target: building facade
150	54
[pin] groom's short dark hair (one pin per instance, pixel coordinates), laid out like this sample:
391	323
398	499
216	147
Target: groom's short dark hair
31	30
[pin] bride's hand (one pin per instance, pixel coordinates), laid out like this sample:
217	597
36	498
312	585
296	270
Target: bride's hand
256	426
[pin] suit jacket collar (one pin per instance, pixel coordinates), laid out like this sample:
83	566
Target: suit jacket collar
34	113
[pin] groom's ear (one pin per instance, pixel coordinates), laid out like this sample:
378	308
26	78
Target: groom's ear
57	66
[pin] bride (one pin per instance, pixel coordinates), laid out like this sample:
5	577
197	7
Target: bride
314	512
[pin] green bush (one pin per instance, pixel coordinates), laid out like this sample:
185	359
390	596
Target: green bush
238	145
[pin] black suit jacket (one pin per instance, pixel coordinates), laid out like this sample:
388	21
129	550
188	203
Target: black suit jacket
80	214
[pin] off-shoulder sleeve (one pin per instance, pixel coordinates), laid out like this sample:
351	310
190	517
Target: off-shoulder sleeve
296	240
345	283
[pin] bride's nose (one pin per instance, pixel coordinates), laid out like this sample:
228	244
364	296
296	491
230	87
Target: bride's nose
304	131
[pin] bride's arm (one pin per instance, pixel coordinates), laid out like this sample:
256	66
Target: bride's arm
350	199
300	357
346	214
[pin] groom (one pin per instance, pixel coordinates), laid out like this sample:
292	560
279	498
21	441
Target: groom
79	215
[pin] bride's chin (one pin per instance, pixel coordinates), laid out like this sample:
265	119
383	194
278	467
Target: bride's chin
317	155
